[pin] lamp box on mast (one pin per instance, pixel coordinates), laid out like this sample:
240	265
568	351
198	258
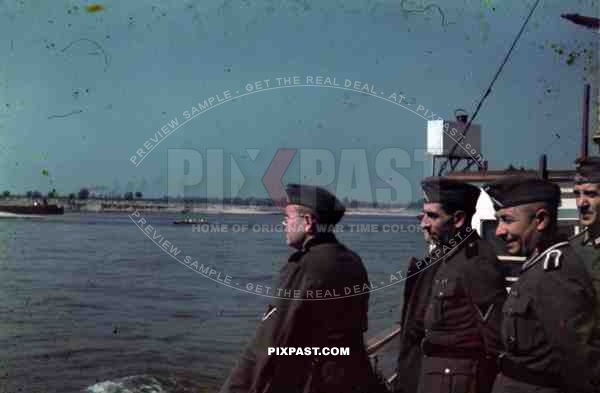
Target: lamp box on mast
447	139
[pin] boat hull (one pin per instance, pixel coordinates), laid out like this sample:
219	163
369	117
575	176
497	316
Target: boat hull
33	210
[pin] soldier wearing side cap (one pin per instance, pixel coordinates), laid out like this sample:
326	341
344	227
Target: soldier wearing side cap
587	198
451	315
548	316
587	243
321	264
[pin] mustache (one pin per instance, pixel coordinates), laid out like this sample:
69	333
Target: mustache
508	238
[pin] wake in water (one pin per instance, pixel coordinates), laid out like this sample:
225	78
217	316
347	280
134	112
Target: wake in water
145	384
133	384
13	215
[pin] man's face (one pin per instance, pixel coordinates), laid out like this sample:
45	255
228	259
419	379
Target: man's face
295	227
517	228
587	198
437	225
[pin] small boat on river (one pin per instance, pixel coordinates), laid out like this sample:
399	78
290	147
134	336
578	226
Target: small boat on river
190	220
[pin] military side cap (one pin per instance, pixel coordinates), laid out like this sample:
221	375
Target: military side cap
456	193
329	209
588	171
518	190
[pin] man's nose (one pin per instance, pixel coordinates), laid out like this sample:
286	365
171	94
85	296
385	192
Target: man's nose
582	203
500	230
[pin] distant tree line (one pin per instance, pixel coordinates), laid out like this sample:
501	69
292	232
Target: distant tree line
85	194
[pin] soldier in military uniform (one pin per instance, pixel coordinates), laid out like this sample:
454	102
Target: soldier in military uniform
587	198
587	243
322	265
452	310
548	316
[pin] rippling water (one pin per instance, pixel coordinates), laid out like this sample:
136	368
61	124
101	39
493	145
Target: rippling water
89	303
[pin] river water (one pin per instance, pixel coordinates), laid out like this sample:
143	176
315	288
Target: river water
89	302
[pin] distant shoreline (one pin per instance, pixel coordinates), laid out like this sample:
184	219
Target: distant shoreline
150	206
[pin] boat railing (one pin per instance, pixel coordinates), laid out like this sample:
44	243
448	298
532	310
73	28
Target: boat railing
379	342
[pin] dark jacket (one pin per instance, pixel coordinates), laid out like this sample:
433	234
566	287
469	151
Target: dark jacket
416	298
326	318
548	324
588	250
589	253
455	308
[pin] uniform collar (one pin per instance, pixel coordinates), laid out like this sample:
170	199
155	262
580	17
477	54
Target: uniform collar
588	241
321	238
466	240
555	239
552	248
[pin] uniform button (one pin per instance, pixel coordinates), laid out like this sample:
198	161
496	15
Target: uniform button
447	371
441	293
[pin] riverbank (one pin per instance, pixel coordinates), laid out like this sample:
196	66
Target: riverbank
160	206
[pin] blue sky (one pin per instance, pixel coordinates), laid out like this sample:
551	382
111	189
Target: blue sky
165	57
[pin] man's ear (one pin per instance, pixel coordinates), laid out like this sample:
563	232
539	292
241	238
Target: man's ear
309	222
460	218
543	219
